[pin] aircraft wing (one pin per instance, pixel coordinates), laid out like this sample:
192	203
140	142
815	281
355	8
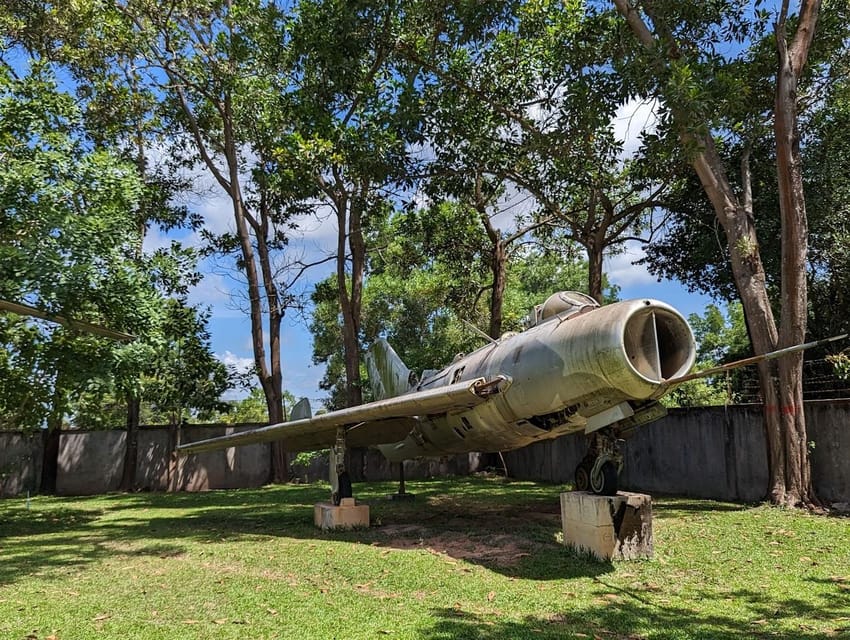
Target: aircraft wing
373	423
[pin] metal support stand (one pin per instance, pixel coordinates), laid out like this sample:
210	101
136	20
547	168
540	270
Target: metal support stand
401	494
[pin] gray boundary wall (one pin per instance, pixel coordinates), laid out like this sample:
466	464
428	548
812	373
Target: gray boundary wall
711	452
20	462
92	462
707	452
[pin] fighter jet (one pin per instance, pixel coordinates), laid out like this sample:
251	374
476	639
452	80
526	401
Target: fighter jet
578	367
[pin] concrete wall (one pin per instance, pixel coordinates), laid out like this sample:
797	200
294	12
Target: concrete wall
709	452
92	462
712	452
20	462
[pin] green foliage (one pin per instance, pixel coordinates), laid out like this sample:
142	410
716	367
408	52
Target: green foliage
426	287
720	339
841	364
68	240
71	238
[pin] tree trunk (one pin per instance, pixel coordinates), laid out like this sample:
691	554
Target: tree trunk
50	460
498	268
50	457
594	271
279	472
131	448
350	242
781	383
798	489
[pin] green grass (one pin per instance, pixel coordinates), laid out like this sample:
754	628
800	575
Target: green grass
470	558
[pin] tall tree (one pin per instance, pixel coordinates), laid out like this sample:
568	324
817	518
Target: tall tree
354	128
224	68
676	41
68	246
526	105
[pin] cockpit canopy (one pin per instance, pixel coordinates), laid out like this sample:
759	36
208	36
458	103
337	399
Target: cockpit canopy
562	304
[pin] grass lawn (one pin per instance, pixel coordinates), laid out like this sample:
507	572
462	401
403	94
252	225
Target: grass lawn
470	558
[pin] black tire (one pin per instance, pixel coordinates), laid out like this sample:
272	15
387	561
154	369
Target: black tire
582	476
606	483
344	485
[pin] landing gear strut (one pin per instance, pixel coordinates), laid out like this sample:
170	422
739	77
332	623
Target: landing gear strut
600	468
340	480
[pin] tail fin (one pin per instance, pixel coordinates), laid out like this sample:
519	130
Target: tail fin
301	410
387	373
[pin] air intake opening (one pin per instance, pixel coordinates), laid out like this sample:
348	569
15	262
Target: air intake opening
658	344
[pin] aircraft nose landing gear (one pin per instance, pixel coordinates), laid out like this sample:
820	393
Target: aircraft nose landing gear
600	468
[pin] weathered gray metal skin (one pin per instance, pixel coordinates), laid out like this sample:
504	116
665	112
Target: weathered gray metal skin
562	371
576	370
366	424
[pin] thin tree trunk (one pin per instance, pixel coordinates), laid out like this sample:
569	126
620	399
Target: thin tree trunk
594	271
131	450
498	268
50	460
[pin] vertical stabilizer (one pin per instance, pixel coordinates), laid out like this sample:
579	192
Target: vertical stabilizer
301	410
387	373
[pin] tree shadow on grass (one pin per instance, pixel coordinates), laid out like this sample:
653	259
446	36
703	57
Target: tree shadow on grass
633	617
463	521
676	507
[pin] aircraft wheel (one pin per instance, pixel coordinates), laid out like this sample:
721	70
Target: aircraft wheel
582	477
605	483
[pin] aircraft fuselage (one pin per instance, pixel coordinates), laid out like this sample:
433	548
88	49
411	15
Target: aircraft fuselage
568	373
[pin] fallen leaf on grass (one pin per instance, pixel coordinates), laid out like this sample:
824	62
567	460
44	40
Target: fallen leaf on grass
101	616
271	612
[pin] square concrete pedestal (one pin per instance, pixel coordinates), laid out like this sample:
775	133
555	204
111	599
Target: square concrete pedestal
609	527
347	515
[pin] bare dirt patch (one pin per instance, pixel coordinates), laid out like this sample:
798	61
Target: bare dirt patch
486	535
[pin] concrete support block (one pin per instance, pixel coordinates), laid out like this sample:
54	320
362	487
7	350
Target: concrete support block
347	515
608	527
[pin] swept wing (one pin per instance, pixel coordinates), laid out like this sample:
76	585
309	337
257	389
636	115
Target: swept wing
373	423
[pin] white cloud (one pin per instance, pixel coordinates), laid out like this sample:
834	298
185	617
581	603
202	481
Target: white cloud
155	239
621	270
242	365
217	292
634	118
